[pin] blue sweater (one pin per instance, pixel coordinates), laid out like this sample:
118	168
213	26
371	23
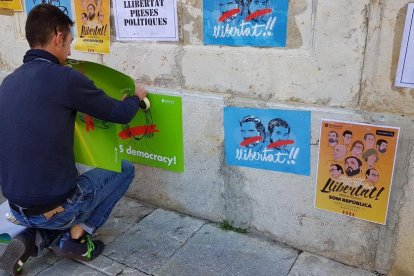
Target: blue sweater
38	105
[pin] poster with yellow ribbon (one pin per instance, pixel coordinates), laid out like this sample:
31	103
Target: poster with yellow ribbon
355	169
92	26
15	5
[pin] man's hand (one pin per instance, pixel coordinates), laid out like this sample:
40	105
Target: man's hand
140	91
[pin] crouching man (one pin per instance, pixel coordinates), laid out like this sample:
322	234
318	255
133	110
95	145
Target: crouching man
38	106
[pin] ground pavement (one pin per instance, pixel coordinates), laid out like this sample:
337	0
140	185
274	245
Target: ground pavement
145	240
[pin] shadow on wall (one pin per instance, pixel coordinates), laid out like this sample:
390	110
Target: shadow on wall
396	45
294	38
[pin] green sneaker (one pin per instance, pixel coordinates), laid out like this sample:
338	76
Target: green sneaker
83	249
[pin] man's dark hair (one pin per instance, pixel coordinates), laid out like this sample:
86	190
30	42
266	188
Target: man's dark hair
43	22
368	172
258	124
357	142
357	159
346	132
380	141
333	131
277	123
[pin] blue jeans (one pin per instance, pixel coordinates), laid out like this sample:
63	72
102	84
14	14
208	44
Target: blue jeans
96	194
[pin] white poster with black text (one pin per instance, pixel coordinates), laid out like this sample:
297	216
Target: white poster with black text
149	20
405	70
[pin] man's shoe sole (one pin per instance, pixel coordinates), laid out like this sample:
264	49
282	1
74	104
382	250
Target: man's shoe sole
13	257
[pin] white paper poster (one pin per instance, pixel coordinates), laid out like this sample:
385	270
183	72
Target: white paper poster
154	20
405	70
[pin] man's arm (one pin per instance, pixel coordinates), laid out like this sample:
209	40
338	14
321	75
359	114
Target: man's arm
85	97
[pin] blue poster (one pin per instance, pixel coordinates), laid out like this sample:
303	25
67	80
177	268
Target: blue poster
245	22
270	139
64	5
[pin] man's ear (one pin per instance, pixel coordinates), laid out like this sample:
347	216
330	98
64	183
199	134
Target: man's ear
59	39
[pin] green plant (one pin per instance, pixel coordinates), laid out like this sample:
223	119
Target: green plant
226	226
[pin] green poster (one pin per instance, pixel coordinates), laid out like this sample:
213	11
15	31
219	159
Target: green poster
154	137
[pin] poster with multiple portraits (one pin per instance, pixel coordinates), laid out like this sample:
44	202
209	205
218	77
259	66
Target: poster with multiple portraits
92	26
355	169
14	5
270	139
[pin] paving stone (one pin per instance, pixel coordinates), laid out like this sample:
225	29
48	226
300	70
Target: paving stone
132	272
65	267
309	264
34	265
151	242
126	213
110	267
213	251
38	264
142	241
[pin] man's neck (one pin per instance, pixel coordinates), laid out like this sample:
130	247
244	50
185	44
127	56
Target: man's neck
50	48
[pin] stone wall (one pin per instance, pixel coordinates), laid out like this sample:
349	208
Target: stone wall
339	63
